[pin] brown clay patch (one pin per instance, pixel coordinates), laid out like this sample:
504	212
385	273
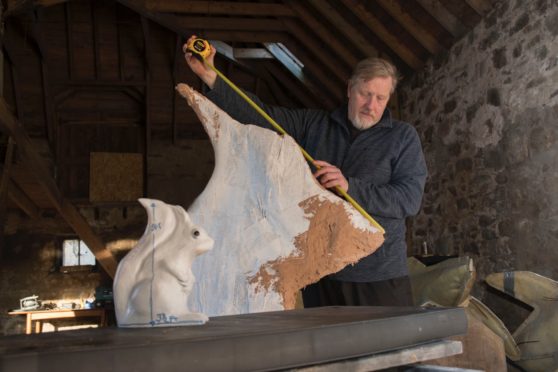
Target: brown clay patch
330	244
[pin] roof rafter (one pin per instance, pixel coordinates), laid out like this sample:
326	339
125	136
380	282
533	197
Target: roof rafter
398	12
444	17
375	24
222	7
324	34
35	163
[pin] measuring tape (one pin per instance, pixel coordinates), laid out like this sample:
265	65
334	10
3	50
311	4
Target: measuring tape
202	48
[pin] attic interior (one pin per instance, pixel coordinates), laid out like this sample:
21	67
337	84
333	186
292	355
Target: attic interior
90	121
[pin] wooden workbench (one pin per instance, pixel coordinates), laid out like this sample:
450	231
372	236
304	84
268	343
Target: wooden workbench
38	316
247	342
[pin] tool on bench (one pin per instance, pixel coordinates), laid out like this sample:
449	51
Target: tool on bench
202	48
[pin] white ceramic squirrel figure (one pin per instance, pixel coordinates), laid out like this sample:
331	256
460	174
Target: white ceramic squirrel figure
154	280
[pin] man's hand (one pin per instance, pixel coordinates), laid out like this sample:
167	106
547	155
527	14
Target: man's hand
199	68
330	176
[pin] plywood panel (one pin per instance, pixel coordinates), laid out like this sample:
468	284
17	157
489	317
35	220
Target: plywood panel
115	177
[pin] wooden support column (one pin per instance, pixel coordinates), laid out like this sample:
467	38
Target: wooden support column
35	163
178	58
4	185
146	43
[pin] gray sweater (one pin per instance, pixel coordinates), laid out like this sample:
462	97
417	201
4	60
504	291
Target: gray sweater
384	165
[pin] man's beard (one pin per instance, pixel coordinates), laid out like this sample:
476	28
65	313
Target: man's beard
362	124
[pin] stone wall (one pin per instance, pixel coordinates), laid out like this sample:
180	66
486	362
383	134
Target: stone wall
487	112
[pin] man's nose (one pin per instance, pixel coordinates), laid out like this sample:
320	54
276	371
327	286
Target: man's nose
371	102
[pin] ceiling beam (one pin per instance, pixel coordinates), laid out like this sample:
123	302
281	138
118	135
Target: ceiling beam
5	182
344	27
398	11
321	54
480	6
304	96
296	70
221	7
16	7
228	23
375	24
36	165
450	22
251	53
326	36
19	198
281	98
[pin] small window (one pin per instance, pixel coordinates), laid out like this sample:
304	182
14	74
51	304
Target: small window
76	253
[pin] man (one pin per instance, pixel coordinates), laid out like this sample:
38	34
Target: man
362	150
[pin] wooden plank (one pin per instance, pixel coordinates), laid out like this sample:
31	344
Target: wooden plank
328	90
444	17
221	7
393	359
307	100
35	163
19	198
480	6
324	33
178	59
235	24
376	25
4	186
463	12
47	93
17	7
115	177
400	13
251	53
246	36
281	98
296	71
300	33
343	26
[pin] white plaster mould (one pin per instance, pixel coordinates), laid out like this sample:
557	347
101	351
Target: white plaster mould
252	208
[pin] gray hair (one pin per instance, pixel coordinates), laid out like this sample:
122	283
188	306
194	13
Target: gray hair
374	67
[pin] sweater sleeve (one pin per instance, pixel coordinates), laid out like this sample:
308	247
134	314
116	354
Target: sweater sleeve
293	121
402	195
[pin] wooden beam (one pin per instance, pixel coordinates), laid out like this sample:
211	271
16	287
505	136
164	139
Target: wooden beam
234	24
304	96
4	186
48	103
221	7
375	24
69	44
19	198
281	98
324	33
480	6
251	53
178	59
246	36
16	7
398	11
176	25
321	54
464	12
450	22
147	149
35	163
327	89
294	68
